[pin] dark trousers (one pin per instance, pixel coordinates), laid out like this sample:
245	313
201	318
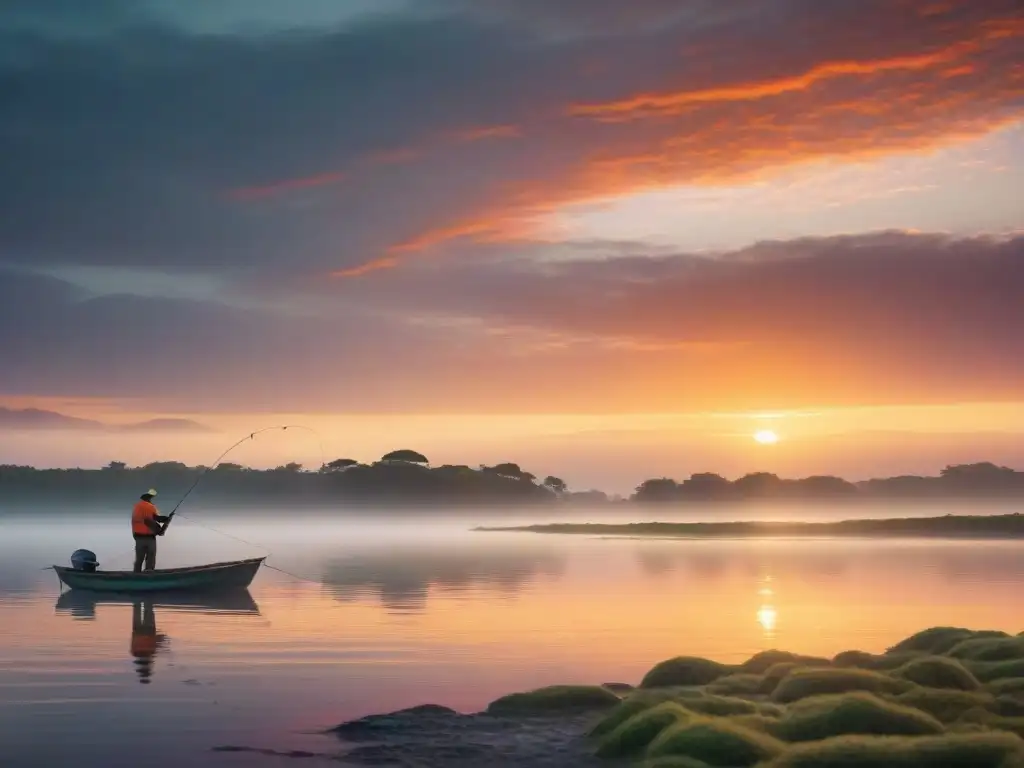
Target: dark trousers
145	552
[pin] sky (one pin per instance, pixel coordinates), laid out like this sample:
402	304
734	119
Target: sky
607	240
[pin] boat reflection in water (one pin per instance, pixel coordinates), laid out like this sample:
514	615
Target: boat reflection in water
146	640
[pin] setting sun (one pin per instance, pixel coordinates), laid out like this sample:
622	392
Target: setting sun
766	437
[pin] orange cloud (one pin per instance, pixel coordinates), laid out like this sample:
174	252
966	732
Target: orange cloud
648	105
849	108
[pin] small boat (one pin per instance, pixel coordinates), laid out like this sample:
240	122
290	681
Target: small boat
237	574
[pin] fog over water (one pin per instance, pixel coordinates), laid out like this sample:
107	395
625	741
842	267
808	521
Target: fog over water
395	609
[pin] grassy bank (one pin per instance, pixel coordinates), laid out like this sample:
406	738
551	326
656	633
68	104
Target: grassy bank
946	696
947	526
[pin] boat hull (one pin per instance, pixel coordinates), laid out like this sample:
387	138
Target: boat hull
237	574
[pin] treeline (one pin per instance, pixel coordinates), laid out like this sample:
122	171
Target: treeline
406	477
399	477
982	480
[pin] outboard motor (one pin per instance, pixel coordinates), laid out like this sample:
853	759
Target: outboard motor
84	560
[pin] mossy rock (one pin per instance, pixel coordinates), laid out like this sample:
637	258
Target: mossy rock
1006	685
823	717
716	742
875	661
684	671
802	683
999	722
938	672
1003	648
761	662
1010	704
719	706
775	675
554	700
737	685
626	709
959	750
946	705
760	723
634	735
988	671
935	640
858	659
674	761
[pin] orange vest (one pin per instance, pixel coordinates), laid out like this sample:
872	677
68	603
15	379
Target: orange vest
143	644
143	511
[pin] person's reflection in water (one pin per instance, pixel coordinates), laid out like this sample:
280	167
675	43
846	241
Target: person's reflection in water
146	641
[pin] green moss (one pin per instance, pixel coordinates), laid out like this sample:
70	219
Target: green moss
555	699
823	717
776	675
980	750
945	705
938	672
991	648
1010	704
987	671
742	685
935	640
768	709
859	659
801	683
1001	723
719	706
626	709
633	736
761	662
684	670
1006	685
760	723
674	761
879	662
717	743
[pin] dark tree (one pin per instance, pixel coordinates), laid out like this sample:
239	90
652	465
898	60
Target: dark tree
556	484
508	469
759	485
340	465
406	456
657	490
707	485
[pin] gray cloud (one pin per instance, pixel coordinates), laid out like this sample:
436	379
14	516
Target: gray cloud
124	148
265	161
871	319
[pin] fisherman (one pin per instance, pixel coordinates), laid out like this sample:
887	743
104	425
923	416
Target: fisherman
146	526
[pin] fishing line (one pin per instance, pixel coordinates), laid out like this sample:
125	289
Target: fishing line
216	462
250	436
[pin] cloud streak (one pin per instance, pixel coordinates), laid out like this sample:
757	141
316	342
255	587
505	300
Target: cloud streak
888	318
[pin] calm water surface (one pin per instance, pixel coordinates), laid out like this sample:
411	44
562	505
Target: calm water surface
393	612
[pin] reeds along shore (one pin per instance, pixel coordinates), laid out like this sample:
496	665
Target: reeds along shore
946	696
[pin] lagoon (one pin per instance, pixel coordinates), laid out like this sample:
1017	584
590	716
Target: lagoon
390	611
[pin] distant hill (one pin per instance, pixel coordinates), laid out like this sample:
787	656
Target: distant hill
166	425
31	419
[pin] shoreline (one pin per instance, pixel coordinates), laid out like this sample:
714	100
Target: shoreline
1007	526
943	696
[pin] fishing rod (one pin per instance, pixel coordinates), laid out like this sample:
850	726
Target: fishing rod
250	436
